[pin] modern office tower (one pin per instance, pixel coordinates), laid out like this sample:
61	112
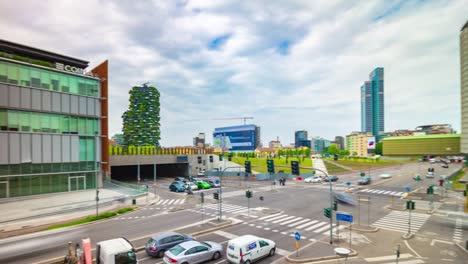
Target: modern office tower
299	136
53	122
464	87
372	103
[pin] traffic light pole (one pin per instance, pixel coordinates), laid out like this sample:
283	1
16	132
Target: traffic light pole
331	205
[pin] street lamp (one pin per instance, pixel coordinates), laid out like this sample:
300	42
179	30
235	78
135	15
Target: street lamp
331	205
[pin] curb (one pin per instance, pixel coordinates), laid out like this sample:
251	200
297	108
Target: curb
461	247
407	237
308	260
374	230
389	207
199	233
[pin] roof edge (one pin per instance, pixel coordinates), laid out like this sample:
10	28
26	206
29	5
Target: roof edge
465	26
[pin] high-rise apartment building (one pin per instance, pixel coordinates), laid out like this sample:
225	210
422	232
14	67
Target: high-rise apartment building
356	143
199	141
372	103
300	136
464	87
53	122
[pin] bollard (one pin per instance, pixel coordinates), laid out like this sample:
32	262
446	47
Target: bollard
134	201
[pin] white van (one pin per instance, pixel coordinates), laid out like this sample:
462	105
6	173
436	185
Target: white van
432	160
115	251
248	248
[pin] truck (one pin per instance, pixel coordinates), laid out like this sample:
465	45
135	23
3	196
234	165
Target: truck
115	251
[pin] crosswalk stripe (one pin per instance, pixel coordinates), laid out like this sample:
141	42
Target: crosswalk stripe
379	192
307	224
365	190
290	221
400	193
282	219
269	216
315	226
386	192
373	191
299	222
322	229
414	261
393	193
160	201
165	201
335	228
181	201
276	217
390	257
170	202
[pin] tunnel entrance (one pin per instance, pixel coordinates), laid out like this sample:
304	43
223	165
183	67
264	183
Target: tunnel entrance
129	173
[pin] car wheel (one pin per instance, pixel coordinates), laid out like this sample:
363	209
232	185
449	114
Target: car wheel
216	255
160	253
247	262
272	252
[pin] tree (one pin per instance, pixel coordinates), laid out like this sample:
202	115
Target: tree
379	148
354	153
307	152
333	149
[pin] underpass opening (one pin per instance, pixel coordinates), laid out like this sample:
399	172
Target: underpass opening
129	173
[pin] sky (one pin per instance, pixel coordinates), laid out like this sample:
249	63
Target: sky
292	65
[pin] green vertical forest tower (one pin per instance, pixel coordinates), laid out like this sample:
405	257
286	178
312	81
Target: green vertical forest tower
141	121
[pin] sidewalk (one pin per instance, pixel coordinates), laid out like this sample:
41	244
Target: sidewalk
30	214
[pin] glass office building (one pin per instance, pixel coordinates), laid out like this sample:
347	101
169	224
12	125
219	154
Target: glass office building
372	103
50	122
300	136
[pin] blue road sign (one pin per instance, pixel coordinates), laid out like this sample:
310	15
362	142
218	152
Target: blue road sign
348	183
344	217
297	236
407	189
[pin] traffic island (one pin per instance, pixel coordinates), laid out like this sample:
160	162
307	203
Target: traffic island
317	251
209	226
363	229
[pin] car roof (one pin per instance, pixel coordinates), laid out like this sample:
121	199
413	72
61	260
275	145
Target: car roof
243	239
163	235
189	244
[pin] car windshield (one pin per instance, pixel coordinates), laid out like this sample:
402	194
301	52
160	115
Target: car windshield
176	250
206	244
125	258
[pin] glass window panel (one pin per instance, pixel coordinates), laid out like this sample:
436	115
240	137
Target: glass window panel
25	185
13	73
73	125
55	81
35	78
90	149
64	84
3	72
36	122
66	167
90	127
45	123
36	185
82	149
57	167
96	127
82	87
24	76
65	126
13	120
45	79
3	120
25	121
73	84
46	186
82	126
55	124
26	168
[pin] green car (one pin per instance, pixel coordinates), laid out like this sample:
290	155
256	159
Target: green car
203	185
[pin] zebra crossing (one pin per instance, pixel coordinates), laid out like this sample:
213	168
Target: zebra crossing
405	258
214	208
398	221
170	201
457	232
384	192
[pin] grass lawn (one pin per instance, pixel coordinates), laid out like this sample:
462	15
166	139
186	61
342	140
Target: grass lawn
368	163
260	164
455	183
333	169
92	218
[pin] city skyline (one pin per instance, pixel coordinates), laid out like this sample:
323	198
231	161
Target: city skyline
300	67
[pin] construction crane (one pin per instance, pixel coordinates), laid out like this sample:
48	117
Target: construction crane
226	118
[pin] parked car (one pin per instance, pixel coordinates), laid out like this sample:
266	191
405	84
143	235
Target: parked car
195	180
248	248
345	198
157	245
332	178
214	183
192	185
193	252
445	166
203	185
432	160
314	179
201	173
364	181
181	179
177	187
385	176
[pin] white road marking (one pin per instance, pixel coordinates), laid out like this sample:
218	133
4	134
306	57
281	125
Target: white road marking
315	226
299	222
290	221
390	257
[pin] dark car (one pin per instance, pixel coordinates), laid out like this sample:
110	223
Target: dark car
158	244
445	166
332	178
364	181
177	187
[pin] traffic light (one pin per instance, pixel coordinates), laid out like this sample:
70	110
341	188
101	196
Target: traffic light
271	166
216	196
248	194
417	178
335	206
295	167
430	190
410	205
211	158
327	212
362	174
199	160
441	182
248	167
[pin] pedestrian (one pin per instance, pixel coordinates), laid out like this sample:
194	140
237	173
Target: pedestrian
284	182
79	254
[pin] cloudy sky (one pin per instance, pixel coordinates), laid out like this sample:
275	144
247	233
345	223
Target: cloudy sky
290	64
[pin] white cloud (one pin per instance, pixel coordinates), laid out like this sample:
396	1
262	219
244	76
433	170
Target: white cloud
315	86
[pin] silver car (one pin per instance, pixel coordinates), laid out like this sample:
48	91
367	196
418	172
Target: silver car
193	252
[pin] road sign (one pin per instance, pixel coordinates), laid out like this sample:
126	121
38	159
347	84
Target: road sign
348	183
407	189
297	235
346	217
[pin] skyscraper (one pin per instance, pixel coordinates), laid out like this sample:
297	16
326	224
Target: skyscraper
372	103
299	136
464	87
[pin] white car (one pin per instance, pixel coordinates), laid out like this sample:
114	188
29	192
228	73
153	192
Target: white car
192	185
385	176
314	179
248	248
201	173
